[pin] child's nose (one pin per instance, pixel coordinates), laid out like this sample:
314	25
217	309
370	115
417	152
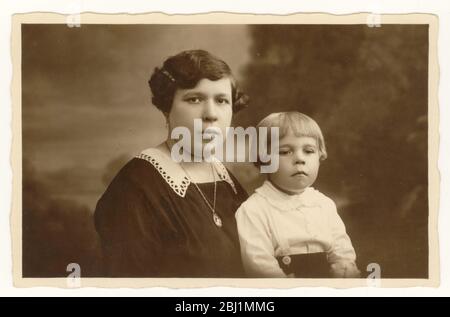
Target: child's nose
299	159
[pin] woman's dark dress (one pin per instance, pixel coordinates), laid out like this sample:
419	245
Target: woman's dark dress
147	230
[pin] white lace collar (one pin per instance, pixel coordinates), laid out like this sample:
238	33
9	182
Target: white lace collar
174	175
309	198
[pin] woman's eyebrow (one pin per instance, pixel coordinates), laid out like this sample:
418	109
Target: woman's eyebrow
221	94
193	93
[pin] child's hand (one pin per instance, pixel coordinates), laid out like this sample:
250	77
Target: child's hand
344	270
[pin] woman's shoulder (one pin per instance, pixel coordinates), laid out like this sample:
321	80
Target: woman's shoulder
233	181
135	187
137	172
138	176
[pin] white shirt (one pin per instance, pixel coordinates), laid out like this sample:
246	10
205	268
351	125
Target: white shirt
272	223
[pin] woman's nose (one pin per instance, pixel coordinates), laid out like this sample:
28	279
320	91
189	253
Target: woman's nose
209	111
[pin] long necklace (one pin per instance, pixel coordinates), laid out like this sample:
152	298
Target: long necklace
217	220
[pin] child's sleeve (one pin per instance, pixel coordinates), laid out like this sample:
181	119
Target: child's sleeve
257	249
342	255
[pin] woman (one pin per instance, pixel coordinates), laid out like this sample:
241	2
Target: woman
159	218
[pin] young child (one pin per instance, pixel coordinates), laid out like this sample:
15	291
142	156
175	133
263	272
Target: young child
287	228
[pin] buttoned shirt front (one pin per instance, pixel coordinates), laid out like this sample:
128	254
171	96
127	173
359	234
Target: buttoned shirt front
272	223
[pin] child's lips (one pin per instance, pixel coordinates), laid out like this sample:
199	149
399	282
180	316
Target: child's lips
300	173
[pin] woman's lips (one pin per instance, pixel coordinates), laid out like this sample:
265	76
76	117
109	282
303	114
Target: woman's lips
211	132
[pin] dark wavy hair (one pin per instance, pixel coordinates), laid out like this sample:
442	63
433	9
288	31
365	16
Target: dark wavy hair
184	71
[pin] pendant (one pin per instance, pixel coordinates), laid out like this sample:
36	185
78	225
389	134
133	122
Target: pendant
217	220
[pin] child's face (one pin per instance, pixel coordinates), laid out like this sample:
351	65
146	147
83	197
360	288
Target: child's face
299	163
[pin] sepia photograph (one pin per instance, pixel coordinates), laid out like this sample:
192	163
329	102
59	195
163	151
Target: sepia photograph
221	149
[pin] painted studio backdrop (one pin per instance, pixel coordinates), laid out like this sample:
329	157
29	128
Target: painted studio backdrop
86	110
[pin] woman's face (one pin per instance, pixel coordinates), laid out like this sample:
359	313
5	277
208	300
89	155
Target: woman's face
210	101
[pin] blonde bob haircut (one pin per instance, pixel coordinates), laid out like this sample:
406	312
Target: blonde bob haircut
299	124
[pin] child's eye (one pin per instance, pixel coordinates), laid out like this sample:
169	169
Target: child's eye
310	151
285	152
